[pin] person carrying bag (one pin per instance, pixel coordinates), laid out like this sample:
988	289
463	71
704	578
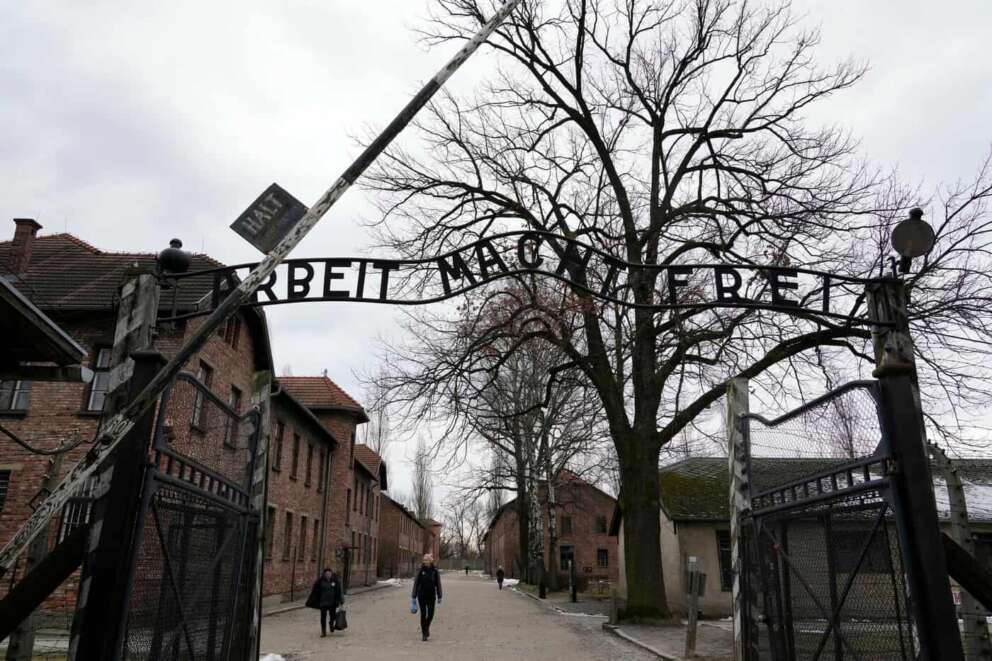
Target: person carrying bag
426	591
327	596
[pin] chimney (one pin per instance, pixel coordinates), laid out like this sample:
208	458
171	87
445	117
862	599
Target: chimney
23	244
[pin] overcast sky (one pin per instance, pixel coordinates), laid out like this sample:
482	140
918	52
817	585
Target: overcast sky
130	123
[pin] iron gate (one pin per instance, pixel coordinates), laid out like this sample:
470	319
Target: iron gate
193	563
823	559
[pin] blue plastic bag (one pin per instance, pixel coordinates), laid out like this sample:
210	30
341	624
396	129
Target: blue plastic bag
413	605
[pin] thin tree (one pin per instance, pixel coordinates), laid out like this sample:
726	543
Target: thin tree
667	133
423	482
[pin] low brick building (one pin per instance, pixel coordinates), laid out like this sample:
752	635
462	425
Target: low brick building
583	516
402	539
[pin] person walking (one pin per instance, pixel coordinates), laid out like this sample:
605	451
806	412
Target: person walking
427	589
500	575
326	595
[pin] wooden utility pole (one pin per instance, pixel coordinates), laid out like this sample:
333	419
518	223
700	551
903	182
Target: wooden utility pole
976	628
915	508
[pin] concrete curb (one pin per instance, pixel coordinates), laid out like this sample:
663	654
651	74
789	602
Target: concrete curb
619	633
297	605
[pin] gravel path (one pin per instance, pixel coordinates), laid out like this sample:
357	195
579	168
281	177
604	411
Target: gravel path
475	621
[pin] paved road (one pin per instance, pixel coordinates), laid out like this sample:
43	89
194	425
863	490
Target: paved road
475	621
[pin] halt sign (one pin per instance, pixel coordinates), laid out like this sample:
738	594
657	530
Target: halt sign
269	218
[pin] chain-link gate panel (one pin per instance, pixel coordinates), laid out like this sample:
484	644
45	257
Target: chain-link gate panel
193	573
821	545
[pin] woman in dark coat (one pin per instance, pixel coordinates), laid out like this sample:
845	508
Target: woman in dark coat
500	575
326	594
427	589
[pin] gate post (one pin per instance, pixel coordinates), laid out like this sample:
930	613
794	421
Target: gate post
976	630
137	313
111	547
260	397
738	453
915	507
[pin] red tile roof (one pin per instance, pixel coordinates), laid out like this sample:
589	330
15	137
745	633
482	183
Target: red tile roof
370	459
319	392
66	273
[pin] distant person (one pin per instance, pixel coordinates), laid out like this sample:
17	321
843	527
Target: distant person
326	595
427	590
466	570
500	575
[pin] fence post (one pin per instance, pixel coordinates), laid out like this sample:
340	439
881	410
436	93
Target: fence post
740	503
976	629
692	608
915	507
111	544
137	314
260	397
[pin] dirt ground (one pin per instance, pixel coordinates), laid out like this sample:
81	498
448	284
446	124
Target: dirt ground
474	621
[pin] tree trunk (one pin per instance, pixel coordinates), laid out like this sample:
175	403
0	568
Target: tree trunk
552	526
641	506
523	520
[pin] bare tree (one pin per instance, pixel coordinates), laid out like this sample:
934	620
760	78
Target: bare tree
666	133
376	433
423	482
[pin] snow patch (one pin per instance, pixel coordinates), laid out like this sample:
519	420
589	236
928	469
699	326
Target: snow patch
390	581
511	581
272	657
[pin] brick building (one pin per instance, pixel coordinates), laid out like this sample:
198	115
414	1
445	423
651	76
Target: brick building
402	539
583	517
77	286
299	488
351	537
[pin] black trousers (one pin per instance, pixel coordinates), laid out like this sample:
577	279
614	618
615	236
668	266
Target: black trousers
426	614
323	618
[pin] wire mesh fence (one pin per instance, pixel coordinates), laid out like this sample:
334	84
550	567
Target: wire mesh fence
192	574
822	548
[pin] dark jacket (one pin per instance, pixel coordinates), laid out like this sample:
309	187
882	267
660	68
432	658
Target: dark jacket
499	575
427	585
326	593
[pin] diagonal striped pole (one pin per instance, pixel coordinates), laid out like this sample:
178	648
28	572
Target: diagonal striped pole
117	427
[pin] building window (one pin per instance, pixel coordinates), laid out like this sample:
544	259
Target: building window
602	558
354	487
848	545
277	450
294	468
347	511
15	395
101	380
231	331
309	463
320	471
231	425
726	563
287	541
4	486
205	375
301	549
313	547
565	555
270	525
601	524
566	525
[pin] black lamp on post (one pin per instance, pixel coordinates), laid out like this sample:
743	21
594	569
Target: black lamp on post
912	238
